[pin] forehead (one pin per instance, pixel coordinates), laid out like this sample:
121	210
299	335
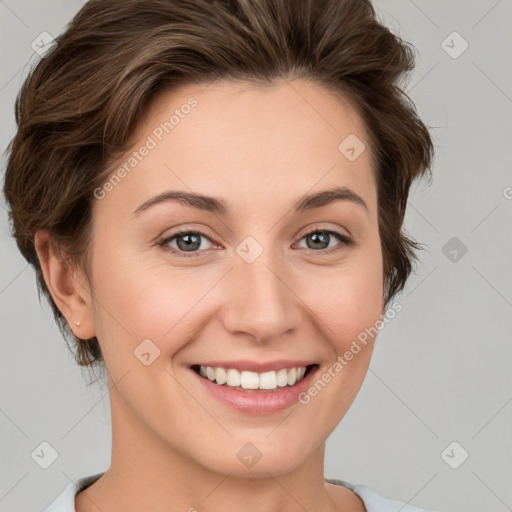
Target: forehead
239	140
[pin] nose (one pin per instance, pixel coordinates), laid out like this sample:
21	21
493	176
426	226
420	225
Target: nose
261	303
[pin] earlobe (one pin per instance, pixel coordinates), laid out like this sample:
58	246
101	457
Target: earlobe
69	291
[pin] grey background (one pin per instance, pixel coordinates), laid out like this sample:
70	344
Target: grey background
441	369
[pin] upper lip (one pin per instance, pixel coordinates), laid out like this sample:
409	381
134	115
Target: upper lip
255	366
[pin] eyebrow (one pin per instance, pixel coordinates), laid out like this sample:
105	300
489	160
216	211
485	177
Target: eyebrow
219	206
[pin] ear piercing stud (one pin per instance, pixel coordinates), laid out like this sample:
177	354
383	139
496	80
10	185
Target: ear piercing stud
78	324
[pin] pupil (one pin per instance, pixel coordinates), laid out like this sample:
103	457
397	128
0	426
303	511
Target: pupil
316	239
189	244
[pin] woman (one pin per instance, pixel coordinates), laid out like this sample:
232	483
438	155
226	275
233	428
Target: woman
212	196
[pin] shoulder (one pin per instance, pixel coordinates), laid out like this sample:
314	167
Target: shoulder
65	502
375	502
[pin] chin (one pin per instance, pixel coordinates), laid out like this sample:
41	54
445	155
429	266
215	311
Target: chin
257	458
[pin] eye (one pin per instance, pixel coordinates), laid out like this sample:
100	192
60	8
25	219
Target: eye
320	240
187	242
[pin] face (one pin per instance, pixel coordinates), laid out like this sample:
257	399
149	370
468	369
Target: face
270	282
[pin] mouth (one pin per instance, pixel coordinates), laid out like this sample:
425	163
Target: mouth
253	387
247	381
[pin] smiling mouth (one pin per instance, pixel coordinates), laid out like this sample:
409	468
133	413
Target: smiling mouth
253	381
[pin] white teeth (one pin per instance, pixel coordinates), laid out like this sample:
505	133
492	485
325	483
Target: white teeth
252	380
210	372
282	377
268	380
249	380
233	378
220	376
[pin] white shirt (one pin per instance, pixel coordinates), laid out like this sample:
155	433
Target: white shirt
373	502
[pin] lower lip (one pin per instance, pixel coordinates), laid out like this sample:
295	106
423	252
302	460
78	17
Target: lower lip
259	402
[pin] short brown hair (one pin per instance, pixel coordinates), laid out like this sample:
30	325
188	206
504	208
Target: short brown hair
78	107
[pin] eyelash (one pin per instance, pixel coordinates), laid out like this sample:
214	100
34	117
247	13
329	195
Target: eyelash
345	240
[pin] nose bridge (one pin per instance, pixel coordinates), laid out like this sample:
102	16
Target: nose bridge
262	303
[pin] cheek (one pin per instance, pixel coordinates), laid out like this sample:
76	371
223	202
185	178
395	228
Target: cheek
349	299
137	301
347	303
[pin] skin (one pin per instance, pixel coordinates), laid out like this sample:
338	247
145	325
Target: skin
259	148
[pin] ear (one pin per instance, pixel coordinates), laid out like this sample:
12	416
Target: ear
67	286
